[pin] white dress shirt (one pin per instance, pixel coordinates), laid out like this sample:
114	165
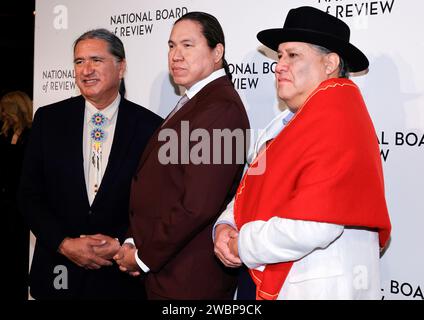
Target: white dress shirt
111	114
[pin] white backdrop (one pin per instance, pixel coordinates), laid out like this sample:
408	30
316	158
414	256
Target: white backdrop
388	31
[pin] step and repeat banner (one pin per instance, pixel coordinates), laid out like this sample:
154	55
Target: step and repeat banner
388	32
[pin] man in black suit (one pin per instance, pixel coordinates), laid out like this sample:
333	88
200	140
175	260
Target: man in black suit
76	177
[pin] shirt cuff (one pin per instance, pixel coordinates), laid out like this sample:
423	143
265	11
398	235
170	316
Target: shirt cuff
137	259
140	263
259	267
130	240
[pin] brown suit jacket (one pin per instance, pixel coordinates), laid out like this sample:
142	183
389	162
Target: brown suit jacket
173	206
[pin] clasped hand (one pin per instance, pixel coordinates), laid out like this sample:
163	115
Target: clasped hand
125	258
90	251
226	245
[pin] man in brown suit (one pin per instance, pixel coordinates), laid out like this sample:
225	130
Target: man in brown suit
175	201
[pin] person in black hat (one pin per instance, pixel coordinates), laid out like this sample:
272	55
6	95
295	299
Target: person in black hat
310	225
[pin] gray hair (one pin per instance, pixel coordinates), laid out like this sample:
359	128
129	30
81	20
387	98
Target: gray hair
343	67
115	45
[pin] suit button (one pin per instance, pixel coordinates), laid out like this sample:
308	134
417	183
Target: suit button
90	212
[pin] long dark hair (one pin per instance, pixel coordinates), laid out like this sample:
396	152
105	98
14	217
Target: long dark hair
212	31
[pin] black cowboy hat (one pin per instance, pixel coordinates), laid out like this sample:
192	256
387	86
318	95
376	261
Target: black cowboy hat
311	25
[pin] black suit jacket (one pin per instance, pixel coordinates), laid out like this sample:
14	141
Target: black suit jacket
174	206
53	197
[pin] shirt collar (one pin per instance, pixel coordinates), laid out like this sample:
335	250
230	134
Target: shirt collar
278	122
202	83
288	117
109	112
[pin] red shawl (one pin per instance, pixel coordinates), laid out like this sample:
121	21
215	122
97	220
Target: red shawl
324	166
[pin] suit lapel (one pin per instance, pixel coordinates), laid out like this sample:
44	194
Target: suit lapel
75	123
193	102
175	119
149	148
190	106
